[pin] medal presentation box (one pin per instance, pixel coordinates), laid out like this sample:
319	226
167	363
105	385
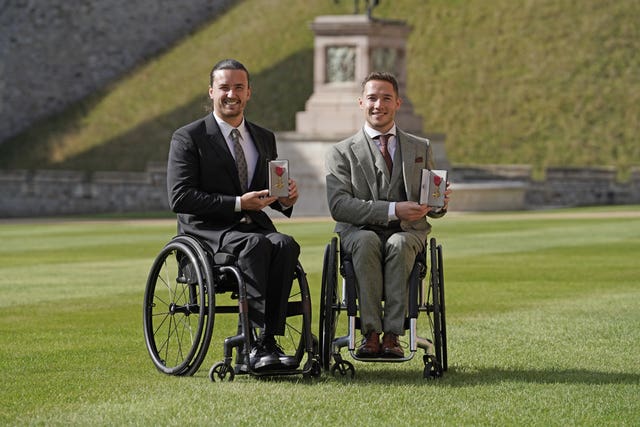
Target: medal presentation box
279	178
432	187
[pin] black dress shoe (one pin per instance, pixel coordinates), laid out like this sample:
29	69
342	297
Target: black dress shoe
262	359
272	347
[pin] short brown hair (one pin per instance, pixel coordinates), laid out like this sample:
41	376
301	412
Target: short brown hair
382	75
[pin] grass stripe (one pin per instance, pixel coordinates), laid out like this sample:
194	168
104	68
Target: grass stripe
543	321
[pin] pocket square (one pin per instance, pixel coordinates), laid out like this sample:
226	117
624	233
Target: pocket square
419	160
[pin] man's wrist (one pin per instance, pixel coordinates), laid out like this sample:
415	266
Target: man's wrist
238	206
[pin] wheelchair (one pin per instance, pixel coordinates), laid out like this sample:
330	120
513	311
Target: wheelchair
180	307
335	300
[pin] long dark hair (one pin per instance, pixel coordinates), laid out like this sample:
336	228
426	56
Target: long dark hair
228	64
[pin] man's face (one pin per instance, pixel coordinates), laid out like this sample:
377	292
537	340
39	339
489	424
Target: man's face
230	92
379	103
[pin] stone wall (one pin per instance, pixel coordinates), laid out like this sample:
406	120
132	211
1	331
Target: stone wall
52	193
55	52
562	186
56	192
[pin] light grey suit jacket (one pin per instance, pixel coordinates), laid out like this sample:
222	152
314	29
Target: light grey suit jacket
352	181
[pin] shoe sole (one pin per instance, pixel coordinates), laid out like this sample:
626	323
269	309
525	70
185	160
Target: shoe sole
289	362
266	363
367	355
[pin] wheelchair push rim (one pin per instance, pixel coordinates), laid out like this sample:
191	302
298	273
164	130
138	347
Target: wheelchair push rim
178	309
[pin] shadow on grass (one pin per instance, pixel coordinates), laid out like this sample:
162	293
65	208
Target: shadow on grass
469	376
454	377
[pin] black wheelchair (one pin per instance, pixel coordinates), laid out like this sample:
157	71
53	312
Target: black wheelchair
180	308
335	300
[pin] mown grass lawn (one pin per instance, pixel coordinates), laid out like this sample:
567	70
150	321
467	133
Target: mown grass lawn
543	320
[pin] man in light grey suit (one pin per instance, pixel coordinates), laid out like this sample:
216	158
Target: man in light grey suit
373	188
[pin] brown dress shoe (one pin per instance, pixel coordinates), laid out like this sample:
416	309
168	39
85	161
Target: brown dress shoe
391	346
370	347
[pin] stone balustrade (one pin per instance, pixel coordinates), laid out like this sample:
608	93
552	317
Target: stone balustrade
483	188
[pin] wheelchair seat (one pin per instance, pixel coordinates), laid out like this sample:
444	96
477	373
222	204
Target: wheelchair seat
428	299
180	307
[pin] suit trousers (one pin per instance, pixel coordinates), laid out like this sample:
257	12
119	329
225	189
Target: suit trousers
267	260
382	260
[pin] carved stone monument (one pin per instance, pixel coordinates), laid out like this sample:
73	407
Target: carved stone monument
347	48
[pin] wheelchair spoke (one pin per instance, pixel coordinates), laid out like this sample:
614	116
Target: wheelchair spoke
179	311
292	336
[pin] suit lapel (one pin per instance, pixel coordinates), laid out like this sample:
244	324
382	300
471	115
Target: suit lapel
362	152
262	155
408	151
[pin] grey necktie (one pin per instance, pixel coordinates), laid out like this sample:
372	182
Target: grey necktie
384	140
241	162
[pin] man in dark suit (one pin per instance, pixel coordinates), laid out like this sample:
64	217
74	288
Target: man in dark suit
373	185
217	181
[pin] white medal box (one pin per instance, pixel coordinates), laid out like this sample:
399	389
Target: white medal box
432	187
279	178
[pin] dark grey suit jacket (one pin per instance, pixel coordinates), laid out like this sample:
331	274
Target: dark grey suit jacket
203	183
352	190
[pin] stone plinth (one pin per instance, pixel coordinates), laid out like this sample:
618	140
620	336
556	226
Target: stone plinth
346	49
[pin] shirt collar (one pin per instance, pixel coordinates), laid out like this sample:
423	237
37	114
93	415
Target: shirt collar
226	128
374	133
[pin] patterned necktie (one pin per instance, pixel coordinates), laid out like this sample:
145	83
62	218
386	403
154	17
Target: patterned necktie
241	161
384	140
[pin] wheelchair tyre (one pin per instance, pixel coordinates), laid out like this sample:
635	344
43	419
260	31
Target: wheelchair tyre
443	323
178	308
298	339
432	369
329	303
344	369
222	371
436	286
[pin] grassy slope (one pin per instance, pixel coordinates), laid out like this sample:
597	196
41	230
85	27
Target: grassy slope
545	82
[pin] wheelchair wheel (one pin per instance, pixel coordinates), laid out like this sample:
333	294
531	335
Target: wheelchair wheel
443	323
298	339
178	308
437	316
329	308
222	372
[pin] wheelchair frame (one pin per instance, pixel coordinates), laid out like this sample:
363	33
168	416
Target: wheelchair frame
180	306
334	301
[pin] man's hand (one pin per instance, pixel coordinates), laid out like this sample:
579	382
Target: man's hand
447	196
287	202
411	211
256	200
